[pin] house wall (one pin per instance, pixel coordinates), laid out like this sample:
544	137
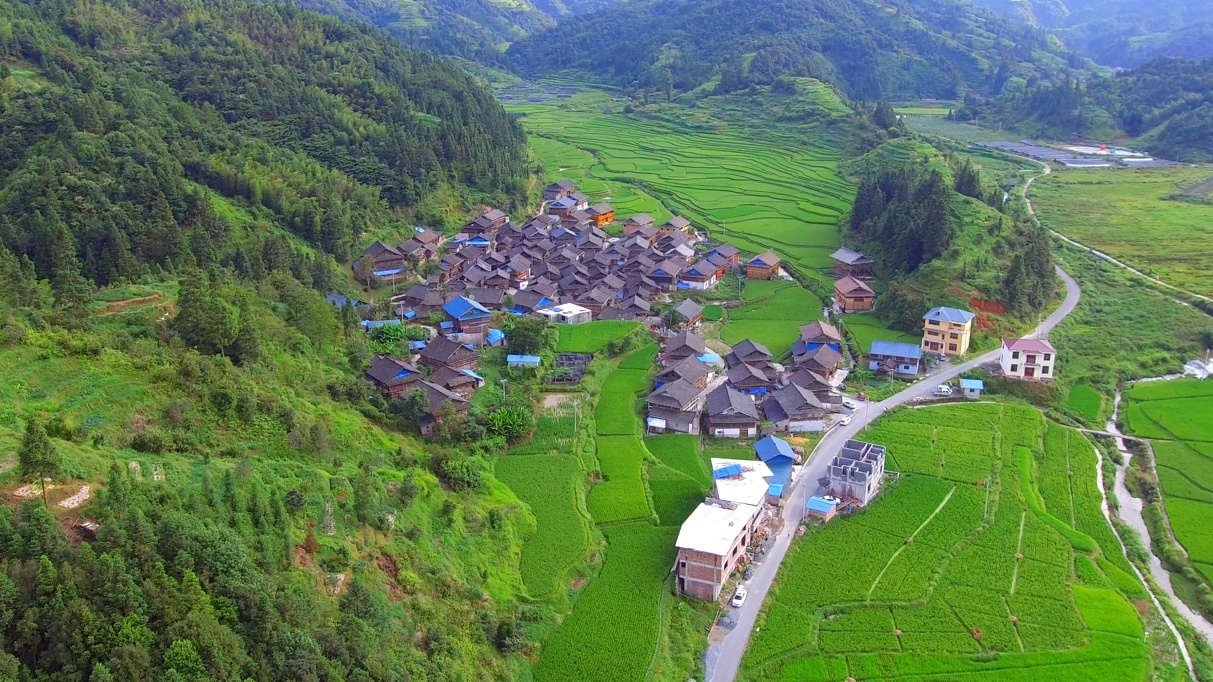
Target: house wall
702	575
732	430
946	338
805	425
755	272
1016	367
909	367
854	304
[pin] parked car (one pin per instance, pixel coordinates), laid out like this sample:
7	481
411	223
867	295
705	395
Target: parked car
845	420
738	598
850	404
943	390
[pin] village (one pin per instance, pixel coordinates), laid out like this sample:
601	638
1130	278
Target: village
564	267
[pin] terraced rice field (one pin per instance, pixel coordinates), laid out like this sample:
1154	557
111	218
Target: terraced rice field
866	328
548	485
1130	215
773	314
757	193
966	565
1175	416
591	337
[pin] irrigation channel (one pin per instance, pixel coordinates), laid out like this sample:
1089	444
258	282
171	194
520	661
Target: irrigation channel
1130	512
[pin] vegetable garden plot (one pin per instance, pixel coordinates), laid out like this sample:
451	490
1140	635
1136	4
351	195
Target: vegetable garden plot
547	484
553	434
621	496
612	632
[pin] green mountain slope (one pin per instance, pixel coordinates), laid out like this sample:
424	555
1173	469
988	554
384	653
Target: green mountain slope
1166	104
479	30
869	50
1121	33
178	180
941	234
113	113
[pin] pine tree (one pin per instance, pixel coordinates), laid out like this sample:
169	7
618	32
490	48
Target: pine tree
38	458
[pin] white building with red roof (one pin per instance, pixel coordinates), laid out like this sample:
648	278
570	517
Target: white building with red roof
1028	359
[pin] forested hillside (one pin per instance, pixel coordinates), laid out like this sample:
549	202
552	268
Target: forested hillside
120	119
229	500
902	49
478	30
942	234
1121	33
1166	103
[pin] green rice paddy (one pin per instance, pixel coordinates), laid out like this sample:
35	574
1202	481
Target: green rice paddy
1175	416
772	315
965	568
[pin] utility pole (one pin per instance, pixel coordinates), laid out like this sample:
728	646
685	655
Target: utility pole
504	382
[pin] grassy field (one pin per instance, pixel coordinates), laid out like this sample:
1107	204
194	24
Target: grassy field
959	579
1128	215
1122	329
1176	413
757	192
866	328
591	337
1085	402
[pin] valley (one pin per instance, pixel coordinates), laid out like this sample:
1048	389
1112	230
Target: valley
544	341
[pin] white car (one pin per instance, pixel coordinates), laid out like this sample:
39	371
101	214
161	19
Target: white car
738	598
943	390
845	420
850	404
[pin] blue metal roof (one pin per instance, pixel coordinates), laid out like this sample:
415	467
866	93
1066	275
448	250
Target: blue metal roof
819	504
464	308
770	448
402	374
388	273
775	490
446	325
708	358
896	349
972	384
726	471
410	314
472	374
417	345
523	359
781	471
339	300
495	335
944	314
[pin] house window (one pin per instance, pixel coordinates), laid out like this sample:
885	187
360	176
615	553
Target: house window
933	323
952	347
1015	355
1014	368
954	335
1044	370
1048	356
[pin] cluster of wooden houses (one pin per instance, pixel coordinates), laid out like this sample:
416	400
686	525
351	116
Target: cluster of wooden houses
553	260
698	392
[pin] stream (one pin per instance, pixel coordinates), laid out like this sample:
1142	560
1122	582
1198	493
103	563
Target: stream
1130	512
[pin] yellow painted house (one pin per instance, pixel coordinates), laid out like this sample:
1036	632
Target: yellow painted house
947	331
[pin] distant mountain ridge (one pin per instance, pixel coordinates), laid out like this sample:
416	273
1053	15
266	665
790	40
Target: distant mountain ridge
869	50
1121	33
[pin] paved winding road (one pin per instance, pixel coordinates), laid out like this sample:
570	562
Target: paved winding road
723	660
